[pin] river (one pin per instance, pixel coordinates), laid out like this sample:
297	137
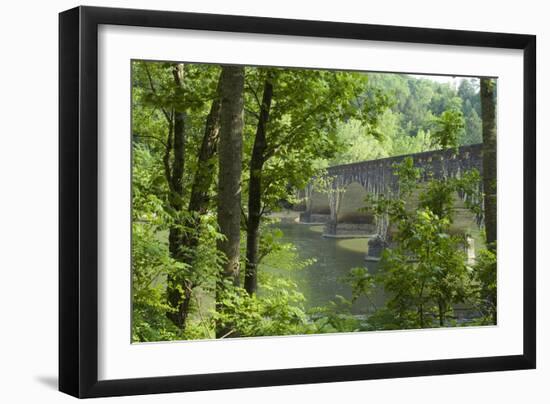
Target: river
321	281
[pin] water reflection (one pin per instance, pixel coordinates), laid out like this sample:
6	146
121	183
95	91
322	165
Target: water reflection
322	281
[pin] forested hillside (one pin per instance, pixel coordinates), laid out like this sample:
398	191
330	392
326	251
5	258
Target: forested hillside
404	127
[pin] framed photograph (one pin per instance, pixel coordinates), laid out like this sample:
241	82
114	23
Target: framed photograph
251	201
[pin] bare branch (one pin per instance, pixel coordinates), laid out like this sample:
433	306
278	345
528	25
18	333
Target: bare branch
228	334
166	115
151	137
262	211
166	157
254	93
253	113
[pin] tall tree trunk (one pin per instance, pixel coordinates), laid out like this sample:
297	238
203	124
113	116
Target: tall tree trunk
489	131
202	181
206	161
178	288
229	179
257	161
230	168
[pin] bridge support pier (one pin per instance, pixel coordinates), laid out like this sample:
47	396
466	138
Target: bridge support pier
376	246
331	227
305	217
335	195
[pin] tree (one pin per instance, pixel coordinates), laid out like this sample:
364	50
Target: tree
257	161
203	178
468	90
448	128
416	101
169	106
488	115
485	275
150	257
178	287
425	272
297	118
229	176
170	100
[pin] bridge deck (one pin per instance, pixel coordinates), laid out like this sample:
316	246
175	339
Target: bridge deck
376	175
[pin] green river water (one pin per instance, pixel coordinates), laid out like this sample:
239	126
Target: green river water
322	281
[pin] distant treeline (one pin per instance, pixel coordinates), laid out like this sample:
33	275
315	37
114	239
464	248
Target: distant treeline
414	104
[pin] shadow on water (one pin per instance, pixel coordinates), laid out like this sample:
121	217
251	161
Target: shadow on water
322	281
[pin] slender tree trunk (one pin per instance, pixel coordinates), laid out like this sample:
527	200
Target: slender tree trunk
229	179
178	288
255	193
230	168
206	159
202	181
488	116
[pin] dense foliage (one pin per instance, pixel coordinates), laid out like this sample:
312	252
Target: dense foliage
414	110
291	123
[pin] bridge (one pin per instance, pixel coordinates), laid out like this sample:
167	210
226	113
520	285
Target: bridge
376	177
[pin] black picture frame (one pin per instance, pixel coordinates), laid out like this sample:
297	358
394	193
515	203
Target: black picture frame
78	201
